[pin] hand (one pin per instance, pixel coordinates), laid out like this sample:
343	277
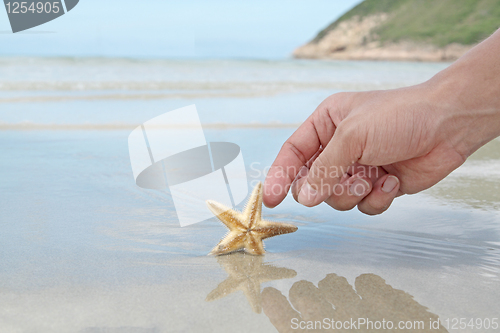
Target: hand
395	130
367	148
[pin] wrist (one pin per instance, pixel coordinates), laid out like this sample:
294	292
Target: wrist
466	100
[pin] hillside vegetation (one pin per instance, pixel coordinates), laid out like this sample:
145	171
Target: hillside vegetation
437	22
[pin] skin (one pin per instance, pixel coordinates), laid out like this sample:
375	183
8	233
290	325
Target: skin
411	137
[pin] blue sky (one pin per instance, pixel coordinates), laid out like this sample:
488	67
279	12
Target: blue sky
262	29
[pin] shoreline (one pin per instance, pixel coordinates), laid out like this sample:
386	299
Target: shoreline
354	39
393	52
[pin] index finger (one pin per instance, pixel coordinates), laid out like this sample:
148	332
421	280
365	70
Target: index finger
315	132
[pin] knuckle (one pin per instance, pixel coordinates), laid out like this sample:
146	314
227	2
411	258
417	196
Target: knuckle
341	200
345	130
373	207
346	207
366	211
340	205
380	207
340	99
289	145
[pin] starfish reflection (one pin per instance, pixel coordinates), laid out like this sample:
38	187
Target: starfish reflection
246	273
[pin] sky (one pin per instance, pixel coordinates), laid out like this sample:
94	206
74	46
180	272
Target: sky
256	29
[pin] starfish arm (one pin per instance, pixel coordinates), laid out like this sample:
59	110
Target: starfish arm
252	292
254	245
267	229
270	273
226	287
232	242
229	217
240	264
253	209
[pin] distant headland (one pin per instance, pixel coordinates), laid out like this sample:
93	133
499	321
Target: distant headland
409	30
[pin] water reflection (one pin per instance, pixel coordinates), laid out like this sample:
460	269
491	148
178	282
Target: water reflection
334	298
246	273
120	330
311	308
476	183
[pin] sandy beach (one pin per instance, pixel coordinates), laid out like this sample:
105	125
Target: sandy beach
83	249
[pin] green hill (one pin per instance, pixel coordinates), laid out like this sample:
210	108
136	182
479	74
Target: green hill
436	22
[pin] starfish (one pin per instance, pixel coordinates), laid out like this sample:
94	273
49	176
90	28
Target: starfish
246	273
247	229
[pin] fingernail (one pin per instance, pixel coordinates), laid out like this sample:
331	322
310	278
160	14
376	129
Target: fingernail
359	187
307	194
390	184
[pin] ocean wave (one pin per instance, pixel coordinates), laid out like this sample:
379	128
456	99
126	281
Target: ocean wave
29	126
30	92
181	85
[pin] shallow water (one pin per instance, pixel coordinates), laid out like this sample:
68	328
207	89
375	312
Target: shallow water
83	249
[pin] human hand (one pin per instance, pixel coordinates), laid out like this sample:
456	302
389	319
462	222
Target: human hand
366	148
397	131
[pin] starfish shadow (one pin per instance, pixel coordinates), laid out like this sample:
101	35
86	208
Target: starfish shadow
246	273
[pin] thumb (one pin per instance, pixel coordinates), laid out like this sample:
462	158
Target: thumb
344	149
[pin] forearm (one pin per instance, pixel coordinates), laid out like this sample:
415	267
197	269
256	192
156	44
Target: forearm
468	93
